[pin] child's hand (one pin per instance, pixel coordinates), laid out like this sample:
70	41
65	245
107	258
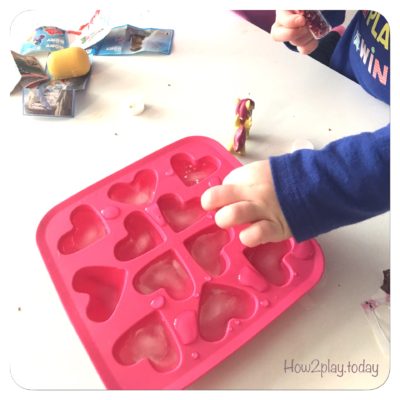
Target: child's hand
247	195
291	27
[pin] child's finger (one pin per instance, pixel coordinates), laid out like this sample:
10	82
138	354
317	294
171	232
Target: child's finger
260	232
220	196
238	213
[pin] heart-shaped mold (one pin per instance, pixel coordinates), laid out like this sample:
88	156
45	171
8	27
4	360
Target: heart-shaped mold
142	237
267	260
148	339
178	214
192	171
205	247
157	298
87	228
138	192
104	286
164	272
218	305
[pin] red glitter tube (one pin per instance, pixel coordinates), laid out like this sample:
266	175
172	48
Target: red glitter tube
316	22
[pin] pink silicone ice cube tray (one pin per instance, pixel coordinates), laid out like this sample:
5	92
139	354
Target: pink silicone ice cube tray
158	293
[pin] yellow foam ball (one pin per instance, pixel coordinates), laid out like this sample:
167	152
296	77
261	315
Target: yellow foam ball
68	63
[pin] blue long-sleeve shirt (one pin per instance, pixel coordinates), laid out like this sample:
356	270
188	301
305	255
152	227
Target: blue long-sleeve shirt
348	180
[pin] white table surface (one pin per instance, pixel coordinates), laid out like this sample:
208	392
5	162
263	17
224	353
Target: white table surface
193	92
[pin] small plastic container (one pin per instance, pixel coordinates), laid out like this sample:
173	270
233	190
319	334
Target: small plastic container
71	62
157	293
316	22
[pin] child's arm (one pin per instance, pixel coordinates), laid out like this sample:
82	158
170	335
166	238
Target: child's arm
345	182
307	192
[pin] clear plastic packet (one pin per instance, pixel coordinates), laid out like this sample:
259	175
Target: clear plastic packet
128	39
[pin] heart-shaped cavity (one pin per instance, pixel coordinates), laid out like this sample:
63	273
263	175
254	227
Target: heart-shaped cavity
87	228
142	237
191	171
205	247
104	286
164	272
138	192
178	214
148	339
267	260
218	305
